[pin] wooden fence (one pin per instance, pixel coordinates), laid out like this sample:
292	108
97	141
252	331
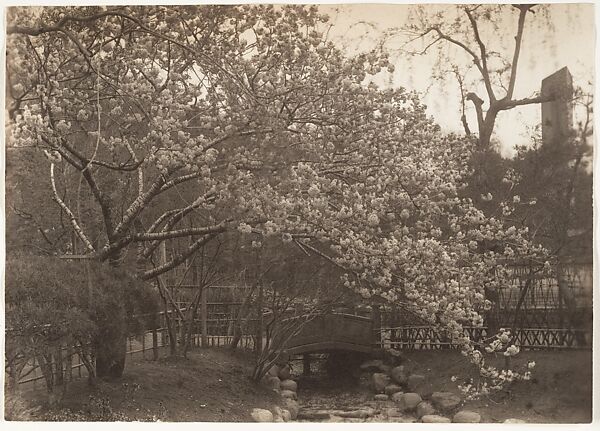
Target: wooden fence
428	338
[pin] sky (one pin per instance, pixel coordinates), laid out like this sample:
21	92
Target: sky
561	36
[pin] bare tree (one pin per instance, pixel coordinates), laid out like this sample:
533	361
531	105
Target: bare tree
498	73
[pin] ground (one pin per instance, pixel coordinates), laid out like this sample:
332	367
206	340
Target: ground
213	385
559	392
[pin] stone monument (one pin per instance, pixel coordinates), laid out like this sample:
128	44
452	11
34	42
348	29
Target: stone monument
557	114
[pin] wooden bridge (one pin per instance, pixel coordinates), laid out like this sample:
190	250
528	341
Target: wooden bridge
334	331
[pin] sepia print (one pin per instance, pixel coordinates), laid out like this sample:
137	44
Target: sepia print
326	213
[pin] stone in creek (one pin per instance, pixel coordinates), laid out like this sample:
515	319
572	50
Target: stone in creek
360	413
289	385
409	401
380	381
293	407
335	419
400	375
467	417
425	408
381	397
445	401
416	383
435	419
397	396
514	421
284	372
289	394
313	415
261	415
274	383
392	389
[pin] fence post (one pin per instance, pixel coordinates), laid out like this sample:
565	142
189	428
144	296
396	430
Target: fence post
376	317
154	345
204	316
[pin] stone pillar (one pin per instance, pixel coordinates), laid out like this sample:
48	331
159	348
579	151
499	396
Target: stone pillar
557	115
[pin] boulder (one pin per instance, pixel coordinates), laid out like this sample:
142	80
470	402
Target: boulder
273	371
393	412
357	414
314	416
289	394
416	383
289	385
279	413
425	408
400	375
467	417
274	383
379	381
409	401
435	419
261	415
397	396
293	407
334	419
381	397
514	421
392	389
445	401
284	372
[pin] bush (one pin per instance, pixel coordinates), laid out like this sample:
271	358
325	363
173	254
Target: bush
54	303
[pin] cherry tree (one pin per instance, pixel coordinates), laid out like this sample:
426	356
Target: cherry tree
248	118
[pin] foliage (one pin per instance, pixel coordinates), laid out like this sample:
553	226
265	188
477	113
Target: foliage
52	304
250	119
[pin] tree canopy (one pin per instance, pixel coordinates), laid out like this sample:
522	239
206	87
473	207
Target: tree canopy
248	118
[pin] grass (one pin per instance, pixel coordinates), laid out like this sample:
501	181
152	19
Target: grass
559	392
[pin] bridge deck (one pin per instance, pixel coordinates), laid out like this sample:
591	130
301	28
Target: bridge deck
334	331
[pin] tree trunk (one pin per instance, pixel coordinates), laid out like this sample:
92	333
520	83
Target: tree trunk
110	349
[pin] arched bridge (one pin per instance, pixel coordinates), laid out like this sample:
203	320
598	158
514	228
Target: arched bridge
334	331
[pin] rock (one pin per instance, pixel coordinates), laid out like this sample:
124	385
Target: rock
400	375
425	408
289	385
284	373
409	401
514	421
286	415
313	415
280	413
393	412
335	419
445	401
273	371
359	414
381	397
261	415
274	383
392	389
415	382
374	365
289	394
466	417
293	407
435	419
379	381
397	396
